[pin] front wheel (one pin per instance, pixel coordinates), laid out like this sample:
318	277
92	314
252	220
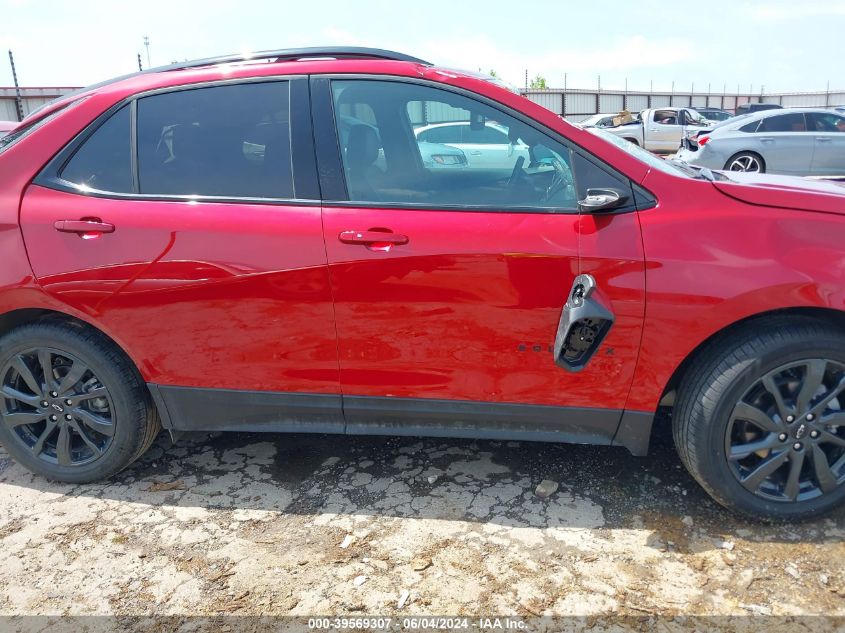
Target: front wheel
72	406
760	420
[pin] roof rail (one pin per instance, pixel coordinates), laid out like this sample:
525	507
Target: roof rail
290	54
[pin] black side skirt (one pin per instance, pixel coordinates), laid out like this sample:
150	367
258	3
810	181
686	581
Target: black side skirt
196	409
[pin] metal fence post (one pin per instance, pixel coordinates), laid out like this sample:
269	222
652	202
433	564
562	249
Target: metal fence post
18	100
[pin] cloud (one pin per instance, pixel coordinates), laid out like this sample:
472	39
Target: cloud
617	55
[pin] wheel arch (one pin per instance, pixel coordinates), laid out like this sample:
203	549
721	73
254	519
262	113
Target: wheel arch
827	315
23	316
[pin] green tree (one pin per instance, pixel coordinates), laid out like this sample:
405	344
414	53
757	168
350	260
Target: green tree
538	83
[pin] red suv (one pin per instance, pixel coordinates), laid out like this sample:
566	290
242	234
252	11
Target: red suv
273	244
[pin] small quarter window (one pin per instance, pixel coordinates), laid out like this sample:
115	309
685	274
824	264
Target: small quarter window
103	162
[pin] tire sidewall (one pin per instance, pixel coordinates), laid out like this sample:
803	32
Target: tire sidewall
125	441
754	155
719	474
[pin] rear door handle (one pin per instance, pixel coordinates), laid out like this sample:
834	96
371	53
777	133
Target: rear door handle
766	139
822	139
365	238
83	226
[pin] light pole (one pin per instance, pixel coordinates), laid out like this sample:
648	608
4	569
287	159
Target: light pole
147	45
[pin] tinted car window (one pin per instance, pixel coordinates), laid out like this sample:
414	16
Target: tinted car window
487	135
389	161
817	122
750	127
230	141
592	176
793	122
442	134
103	162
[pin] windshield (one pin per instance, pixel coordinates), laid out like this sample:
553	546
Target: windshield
696	118
645	156
30	125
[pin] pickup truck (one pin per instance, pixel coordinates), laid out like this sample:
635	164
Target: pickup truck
660	129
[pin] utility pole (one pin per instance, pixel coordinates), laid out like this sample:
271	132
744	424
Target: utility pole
18	100
147	45
139	62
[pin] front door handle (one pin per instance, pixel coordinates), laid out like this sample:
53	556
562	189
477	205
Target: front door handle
823	139
83	226
367	238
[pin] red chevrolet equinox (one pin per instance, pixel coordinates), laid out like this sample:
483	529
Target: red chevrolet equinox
355	241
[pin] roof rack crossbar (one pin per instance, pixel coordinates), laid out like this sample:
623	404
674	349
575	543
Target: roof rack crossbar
289	54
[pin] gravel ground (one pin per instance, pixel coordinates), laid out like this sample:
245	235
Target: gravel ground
314	525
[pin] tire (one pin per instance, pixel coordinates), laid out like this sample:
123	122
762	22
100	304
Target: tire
110	423
712	419
748	162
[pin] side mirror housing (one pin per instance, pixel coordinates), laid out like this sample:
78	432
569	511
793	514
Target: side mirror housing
602	200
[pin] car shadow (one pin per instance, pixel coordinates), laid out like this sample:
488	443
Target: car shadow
492	482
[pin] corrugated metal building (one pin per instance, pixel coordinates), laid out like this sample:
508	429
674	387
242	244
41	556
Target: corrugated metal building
31	98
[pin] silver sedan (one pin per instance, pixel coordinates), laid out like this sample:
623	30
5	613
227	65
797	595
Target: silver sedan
800	142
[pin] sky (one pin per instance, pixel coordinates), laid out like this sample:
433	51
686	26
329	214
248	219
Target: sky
775	45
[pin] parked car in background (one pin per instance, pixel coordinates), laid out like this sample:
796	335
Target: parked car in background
714	114
486	146
660	129
255	244
747	108
598	120
6	127
799	142
433	155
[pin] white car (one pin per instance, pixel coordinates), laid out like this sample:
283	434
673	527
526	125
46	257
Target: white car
486	146
599	120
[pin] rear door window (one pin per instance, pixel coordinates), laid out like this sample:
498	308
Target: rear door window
441	134
226	141
666	117
793	122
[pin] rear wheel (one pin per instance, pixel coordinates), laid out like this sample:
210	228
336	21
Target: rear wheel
760	420
746	161
72	407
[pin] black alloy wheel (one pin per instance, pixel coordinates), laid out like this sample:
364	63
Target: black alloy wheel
56	406
786	438
73	407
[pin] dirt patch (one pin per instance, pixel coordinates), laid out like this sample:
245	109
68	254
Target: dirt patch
315	525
